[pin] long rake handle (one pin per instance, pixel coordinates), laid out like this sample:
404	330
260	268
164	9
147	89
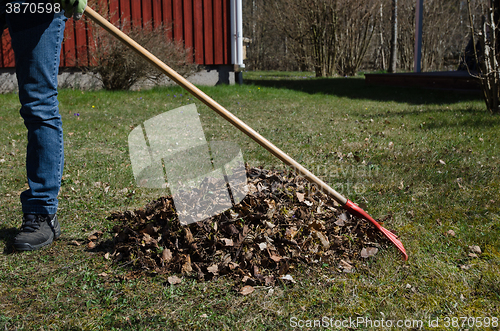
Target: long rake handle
200	95
172	74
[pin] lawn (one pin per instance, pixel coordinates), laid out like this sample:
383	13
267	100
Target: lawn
424	160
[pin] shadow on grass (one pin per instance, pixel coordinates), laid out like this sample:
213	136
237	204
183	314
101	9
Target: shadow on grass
479	122
7	236
467	117
355	88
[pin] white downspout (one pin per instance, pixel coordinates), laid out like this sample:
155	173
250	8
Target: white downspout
237	33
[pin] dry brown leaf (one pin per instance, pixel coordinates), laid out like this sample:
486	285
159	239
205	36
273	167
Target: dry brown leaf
290	233
150	229
269	280
369	252
188	235
340	222
91	245
317	225
245	290
346	266
270	203
245	279
275	258
186	267
228	242
475	249
251	188
300	196
147	239
166	255
214	269
288	278
173	280
322	238
270	225
343	217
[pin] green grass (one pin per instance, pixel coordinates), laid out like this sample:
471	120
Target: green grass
428	158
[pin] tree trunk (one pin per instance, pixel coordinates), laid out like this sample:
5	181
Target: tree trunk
394	38
495	4
381	36
489	66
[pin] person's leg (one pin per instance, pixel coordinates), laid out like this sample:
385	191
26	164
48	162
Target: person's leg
36	41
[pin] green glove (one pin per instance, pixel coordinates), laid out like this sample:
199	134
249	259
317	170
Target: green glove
73	8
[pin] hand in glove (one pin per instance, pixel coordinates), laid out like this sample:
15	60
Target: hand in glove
73	8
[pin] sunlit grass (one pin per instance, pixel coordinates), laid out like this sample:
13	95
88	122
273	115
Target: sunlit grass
429	159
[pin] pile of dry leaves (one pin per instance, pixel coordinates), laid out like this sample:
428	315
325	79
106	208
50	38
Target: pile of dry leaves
280	223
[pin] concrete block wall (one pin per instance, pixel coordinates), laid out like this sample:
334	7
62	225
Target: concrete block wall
76	79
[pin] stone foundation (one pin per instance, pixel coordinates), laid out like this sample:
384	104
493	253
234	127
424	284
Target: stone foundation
76	79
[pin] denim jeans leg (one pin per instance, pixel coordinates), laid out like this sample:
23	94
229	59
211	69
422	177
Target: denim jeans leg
36	41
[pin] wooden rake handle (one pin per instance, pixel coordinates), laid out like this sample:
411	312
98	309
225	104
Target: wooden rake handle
200	95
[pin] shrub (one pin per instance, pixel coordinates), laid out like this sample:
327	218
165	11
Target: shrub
118	67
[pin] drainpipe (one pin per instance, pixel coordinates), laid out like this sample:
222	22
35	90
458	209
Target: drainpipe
237	39
419	13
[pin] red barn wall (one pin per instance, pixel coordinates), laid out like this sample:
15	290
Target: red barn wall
203	26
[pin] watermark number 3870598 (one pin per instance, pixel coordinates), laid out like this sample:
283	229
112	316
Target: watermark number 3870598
32	8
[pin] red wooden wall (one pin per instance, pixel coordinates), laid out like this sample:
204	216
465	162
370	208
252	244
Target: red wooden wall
203	26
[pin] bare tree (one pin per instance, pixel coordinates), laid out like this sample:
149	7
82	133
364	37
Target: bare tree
486	55
310	28
269	49
331	36
380	59
442	27
357	22
445	25
394	37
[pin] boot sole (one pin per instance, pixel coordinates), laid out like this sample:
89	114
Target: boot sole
29	247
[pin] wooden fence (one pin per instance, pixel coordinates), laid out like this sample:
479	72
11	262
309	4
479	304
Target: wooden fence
203	26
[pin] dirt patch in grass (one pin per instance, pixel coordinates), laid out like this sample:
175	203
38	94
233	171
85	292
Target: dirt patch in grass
281	222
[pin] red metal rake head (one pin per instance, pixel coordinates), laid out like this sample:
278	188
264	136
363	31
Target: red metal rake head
354	209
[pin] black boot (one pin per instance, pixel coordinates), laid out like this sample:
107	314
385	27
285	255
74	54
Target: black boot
37	231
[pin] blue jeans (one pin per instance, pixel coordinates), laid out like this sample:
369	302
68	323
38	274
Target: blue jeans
36	41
